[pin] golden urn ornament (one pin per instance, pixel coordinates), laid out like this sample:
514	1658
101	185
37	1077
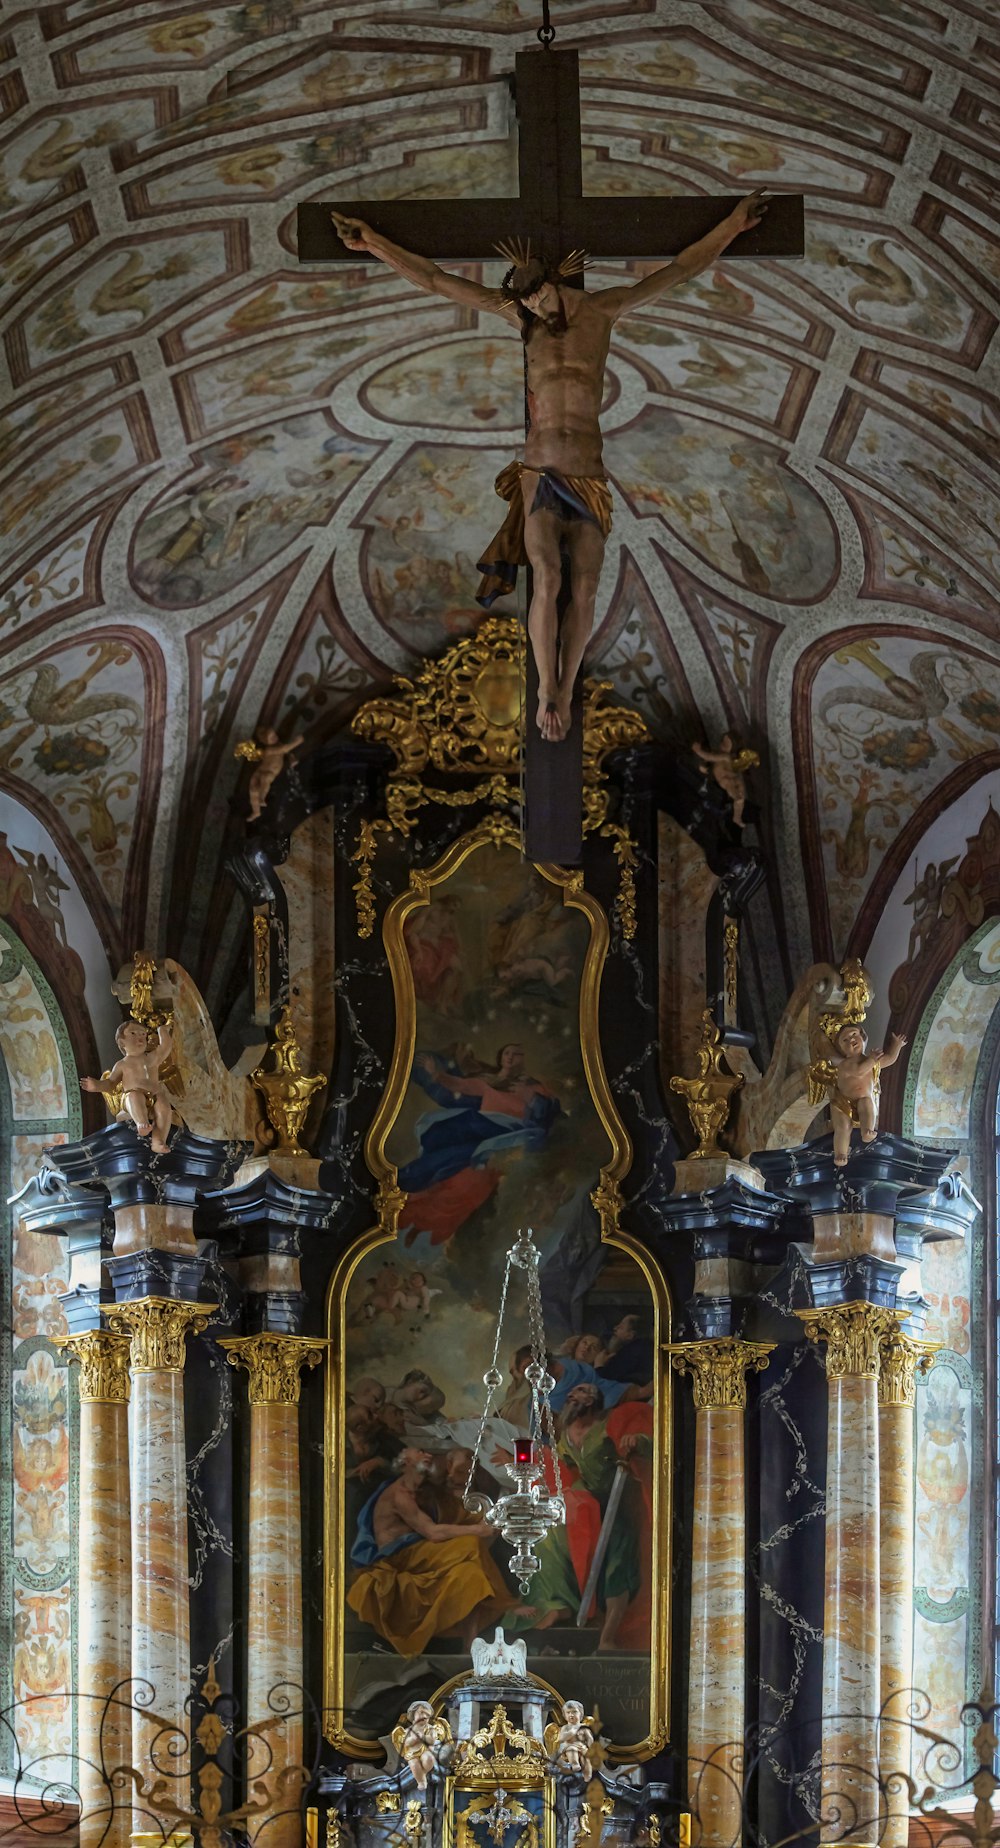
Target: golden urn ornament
287	1090
708	1097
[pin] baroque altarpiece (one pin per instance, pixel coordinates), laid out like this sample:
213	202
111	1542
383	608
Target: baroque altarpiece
453	1043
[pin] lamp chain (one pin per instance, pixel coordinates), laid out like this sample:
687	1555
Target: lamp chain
492	1378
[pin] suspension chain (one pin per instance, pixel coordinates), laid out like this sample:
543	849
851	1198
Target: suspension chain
524	1253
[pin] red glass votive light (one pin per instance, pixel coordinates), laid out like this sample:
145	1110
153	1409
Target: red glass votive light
524	1450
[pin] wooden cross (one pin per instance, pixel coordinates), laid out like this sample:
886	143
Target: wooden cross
553	213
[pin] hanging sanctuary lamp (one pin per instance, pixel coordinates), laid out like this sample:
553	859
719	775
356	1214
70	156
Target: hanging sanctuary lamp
525	1513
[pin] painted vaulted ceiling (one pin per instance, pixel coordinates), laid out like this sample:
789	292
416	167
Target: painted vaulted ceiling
235	491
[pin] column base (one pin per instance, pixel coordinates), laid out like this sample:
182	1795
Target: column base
152	1838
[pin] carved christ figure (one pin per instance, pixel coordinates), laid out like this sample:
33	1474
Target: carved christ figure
558	492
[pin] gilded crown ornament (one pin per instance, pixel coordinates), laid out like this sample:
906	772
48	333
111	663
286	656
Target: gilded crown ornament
709	1096
286	1089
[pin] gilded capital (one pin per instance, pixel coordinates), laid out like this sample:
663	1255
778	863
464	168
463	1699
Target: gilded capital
853	1333
273	1363
103	1358
719	1368
902	1357
157	1326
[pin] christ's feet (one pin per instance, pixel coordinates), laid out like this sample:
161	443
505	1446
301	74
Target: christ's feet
549	722
554	717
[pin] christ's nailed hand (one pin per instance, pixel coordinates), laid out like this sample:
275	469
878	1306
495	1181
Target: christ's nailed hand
352	231
750	210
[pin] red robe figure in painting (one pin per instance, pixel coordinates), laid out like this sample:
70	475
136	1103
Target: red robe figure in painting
591	1446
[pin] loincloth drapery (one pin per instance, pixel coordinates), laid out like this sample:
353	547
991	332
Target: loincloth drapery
572	497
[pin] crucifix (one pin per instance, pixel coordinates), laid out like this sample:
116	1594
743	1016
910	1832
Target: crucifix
553	216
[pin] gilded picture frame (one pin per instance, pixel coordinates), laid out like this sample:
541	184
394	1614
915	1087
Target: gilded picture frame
490	836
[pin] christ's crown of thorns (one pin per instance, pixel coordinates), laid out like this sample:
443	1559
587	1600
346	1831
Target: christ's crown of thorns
518	252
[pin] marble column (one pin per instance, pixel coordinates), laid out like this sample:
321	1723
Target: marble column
104	1721
161	1645
852	1809
274	1596
717	1675
901	1356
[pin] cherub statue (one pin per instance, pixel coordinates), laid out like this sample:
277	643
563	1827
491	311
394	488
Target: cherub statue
500	1660
850	1078
267	754
729	765
419	1738
571	1745
137	1075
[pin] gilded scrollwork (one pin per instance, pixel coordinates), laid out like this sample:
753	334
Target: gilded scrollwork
463	714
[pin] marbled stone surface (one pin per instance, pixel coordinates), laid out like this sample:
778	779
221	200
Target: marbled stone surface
161	1665
104	1731
850	1795
718	1627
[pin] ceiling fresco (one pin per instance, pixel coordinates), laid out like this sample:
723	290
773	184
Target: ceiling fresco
234	490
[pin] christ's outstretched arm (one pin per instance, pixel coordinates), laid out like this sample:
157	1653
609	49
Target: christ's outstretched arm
421	271
616	302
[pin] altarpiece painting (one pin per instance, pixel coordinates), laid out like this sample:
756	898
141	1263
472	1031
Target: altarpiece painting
497	1114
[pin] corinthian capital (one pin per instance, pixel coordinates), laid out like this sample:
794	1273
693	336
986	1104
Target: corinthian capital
853	1333
103	1359
157	1326
902	1358
719	1368
273	1363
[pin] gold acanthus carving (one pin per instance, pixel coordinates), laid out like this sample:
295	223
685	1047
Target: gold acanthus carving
286	1089
274	1364
902	1357
157	1326
719	1368
103	1359
709	1096
463	714
853	1333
